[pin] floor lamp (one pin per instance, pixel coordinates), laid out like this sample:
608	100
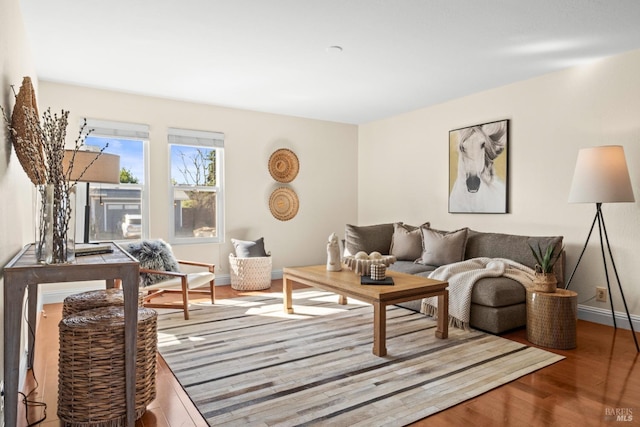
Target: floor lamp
601	176
92	166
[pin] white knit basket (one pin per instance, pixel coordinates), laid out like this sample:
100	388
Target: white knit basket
250	274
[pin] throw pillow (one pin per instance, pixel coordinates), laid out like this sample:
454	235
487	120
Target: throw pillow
441	247
154	255
249	248
369	238
406	242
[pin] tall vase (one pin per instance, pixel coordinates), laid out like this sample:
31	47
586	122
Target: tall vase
55	230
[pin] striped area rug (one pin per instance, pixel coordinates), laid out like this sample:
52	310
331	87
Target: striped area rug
245	362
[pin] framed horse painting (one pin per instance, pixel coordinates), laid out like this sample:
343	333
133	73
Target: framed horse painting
478	178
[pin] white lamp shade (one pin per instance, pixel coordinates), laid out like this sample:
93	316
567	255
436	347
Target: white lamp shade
601	176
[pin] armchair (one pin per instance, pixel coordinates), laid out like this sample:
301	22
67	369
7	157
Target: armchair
160	274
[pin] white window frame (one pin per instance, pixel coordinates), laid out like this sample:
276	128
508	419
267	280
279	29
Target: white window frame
132	131
195	138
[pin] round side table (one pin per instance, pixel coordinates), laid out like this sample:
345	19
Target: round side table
551	318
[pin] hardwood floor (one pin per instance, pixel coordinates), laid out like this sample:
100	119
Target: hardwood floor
597	382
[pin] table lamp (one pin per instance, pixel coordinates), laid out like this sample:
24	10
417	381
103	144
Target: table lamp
91	166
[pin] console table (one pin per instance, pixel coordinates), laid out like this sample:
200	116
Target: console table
24	273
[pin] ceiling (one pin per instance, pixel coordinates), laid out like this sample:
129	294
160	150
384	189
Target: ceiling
273	56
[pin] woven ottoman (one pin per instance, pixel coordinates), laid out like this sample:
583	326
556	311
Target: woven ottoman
91	371
94	299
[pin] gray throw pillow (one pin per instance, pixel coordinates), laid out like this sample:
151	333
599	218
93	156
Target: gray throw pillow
406	242
249	248
441	247
369	238
154	255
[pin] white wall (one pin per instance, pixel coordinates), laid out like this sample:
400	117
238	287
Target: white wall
405	159
326	184
16	225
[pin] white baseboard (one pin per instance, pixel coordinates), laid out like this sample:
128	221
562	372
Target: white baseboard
604	317
58	296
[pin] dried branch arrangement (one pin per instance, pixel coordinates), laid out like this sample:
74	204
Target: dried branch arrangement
40	147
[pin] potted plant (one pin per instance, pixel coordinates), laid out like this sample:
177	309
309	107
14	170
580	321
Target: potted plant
545	279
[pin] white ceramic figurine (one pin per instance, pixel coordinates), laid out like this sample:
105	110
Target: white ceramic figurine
333	254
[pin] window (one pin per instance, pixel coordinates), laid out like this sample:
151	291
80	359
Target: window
117	211
196	161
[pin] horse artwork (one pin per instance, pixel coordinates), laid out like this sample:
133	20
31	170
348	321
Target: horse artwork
478	168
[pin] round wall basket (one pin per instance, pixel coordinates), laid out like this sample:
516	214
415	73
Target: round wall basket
283	203
27	145
283	165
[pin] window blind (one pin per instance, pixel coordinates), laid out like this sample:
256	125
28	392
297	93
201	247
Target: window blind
118	129
196	137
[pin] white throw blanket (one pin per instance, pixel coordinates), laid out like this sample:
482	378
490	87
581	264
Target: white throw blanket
462	276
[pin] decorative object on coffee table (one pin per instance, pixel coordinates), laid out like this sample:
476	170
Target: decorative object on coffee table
551	318
284	203
334	263
378	271
361	265
283	165
545	279
601	176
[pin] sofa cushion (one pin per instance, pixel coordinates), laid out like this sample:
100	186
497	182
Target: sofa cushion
410	267
368	238
498	292
511	246
440	248
498	320
406	242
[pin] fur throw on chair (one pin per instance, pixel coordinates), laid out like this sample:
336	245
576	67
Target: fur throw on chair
154	255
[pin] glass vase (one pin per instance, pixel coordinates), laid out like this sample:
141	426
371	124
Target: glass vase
55	223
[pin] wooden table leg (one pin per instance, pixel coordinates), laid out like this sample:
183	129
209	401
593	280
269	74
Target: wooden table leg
130	292
379	329
32	291
442	330
13	297
286	295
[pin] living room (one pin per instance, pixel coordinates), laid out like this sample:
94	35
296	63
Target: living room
390	169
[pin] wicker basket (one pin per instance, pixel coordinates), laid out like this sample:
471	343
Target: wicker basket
91	373
250	274
94	299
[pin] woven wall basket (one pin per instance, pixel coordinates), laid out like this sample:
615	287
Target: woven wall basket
28	146
283	165
283	203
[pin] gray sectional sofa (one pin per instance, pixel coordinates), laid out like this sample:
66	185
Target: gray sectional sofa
497	304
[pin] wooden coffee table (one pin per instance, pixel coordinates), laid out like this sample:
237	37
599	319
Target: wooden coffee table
346	283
